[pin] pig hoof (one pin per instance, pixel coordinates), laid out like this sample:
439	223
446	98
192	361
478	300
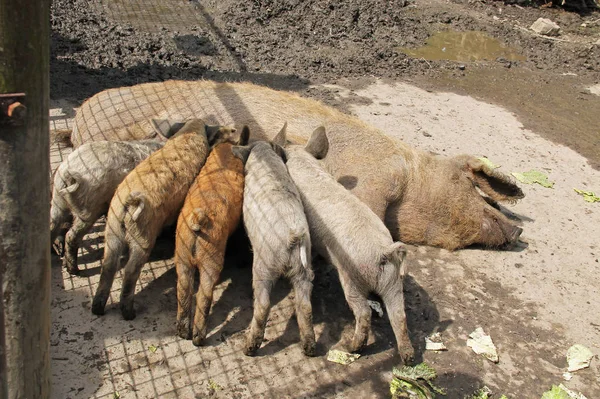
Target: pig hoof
250	350
74	271
70	266
197	340
98	308
183	331
407	354
128	313
59	246
308	348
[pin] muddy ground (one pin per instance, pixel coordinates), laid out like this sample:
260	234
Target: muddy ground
535	300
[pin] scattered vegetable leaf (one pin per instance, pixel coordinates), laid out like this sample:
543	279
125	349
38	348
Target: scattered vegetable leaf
482	345
556	393
414	382
152	348
434	343
116	395
483	393
579	357
341	357
572	394
212	385
534	176
588	196
486	161
409	389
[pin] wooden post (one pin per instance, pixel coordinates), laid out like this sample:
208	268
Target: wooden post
24	199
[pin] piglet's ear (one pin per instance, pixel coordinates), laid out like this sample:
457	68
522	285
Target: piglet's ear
215	132
280	151
318	144
281	138
496	185
242	152
165	127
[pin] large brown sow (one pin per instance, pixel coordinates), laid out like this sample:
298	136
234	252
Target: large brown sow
422	198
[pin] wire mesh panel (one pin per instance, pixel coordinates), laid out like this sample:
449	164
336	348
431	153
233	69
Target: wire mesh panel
135	156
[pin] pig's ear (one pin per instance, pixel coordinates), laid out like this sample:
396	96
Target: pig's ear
242	152
215	132
244	136
281	139
318	144
166	128
496	185
280	152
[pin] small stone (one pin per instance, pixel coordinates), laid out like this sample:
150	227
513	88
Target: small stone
461	67
544	26
598	42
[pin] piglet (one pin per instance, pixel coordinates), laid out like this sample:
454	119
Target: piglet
84	184
278	231
210	214
345	231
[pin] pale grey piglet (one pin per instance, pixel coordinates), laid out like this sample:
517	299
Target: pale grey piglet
346	232
279	234
84	184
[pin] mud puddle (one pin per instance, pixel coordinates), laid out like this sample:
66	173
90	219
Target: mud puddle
463	46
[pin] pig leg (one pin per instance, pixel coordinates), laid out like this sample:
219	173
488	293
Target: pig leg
362	312
72	242
262	286
185	290
393	298
114	249
210	271
137	258
59	217
302	292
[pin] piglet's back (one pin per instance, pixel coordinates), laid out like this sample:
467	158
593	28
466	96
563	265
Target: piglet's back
336	217
164	178
271	193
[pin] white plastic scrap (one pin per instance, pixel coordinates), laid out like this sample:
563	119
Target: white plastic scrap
434	343
567	376
482	345
579	357
376	306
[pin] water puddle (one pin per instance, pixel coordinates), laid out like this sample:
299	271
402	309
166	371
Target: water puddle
463	46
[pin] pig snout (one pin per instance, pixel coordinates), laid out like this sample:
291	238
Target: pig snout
514	234
497	230
510	231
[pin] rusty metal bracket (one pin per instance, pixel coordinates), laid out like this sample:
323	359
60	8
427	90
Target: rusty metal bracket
12	109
